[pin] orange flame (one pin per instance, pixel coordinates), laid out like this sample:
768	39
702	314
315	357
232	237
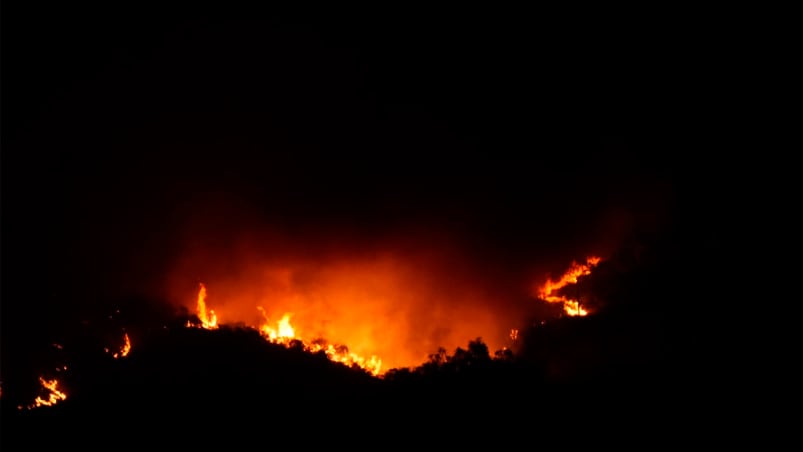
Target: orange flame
342	355
394	301
54	396
283	331
124	349
548	291
285	334
208	318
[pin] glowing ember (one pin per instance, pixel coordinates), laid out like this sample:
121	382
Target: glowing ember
125	348
54	396
549	290
208	318
514	334
285	334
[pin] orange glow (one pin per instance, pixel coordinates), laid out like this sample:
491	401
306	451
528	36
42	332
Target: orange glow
208	318
54	395
342	355
284	333
378	308
125	348
549	291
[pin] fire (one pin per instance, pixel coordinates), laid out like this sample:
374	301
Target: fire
208	318
125	348
54	395
342	355
549	290
283	331
285	334
397	304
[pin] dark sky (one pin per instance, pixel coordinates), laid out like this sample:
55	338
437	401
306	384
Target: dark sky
519	132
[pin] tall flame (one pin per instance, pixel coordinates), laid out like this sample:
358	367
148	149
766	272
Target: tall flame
208	318
549	290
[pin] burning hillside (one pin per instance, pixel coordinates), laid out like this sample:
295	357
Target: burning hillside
376	312
212	212
388	303
282	332
372	310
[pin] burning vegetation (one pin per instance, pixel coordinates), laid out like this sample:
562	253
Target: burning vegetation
182	367
282	332
551	290
124	349
377	308
207	317
280	326
52	394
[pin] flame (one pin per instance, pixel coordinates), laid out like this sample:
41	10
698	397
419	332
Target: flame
54	396
283	331
285	334
124	349
208	318
342	355
394	301
549	290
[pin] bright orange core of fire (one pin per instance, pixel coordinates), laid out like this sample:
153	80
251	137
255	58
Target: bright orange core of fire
379	312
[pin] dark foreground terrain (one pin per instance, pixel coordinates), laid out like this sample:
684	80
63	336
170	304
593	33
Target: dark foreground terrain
653	360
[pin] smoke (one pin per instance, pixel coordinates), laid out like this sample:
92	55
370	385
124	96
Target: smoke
397	288
436	270
399	296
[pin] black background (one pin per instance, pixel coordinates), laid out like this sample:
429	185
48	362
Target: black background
515	129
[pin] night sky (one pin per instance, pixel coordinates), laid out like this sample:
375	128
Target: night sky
519	136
